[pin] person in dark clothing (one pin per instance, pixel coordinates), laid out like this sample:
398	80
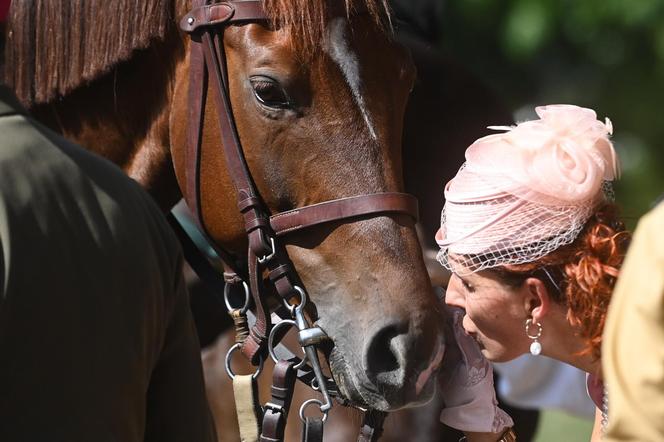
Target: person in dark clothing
97	340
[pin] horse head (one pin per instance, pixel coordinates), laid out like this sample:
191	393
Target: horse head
318	104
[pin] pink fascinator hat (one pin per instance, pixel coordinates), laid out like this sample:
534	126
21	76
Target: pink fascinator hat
526	191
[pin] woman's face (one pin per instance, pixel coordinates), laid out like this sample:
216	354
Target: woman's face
495	314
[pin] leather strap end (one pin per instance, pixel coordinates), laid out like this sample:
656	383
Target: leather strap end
254	346
223	13
312	430
206	16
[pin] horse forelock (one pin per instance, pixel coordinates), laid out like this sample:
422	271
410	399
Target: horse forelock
307	20
54	46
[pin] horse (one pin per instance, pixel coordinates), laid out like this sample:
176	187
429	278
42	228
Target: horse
318	97
448	108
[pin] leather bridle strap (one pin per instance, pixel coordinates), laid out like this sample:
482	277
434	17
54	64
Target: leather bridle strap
201	22
343	209
206	19
197	97
312	430
276	410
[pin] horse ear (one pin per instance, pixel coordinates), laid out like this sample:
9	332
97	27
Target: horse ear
537	300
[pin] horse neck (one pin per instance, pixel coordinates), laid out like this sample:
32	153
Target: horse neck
124	116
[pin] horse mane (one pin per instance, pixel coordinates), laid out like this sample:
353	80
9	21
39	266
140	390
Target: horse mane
307	19
54	46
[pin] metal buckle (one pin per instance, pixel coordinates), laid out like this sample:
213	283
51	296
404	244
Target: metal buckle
274	408
269	256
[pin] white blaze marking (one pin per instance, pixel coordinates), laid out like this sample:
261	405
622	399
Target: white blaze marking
338	49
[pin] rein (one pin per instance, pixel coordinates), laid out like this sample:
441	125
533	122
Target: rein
267	232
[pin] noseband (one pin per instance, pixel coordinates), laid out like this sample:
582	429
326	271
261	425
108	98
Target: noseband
266	232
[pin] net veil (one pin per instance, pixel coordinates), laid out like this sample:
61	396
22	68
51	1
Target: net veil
527	191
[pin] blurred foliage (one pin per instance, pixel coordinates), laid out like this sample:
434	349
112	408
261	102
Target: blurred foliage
556	425
604	54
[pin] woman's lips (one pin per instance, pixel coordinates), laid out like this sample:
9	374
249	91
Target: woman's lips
472	334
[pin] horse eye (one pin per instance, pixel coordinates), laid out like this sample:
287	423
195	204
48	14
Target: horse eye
269	93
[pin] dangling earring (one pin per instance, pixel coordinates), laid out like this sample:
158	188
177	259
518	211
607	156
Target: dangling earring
535	346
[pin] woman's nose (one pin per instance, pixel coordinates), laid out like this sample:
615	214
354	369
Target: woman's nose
454	295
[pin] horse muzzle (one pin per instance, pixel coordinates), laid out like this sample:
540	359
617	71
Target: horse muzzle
397	369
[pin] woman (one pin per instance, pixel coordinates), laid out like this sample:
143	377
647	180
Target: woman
534	242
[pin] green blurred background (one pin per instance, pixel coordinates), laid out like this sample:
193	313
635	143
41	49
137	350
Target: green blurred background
604	54
556	426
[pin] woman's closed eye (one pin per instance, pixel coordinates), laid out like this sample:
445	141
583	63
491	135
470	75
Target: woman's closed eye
468	286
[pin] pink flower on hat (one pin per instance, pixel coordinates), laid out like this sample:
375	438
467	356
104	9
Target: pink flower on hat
562	157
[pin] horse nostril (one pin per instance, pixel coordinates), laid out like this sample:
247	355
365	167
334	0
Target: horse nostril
385	354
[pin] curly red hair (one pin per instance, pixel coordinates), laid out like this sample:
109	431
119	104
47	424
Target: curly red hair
585	273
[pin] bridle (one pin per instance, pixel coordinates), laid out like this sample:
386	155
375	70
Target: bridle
205	24
266	232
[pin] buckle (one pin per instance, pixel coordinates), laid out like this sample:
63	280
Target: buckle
274	408
265	258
